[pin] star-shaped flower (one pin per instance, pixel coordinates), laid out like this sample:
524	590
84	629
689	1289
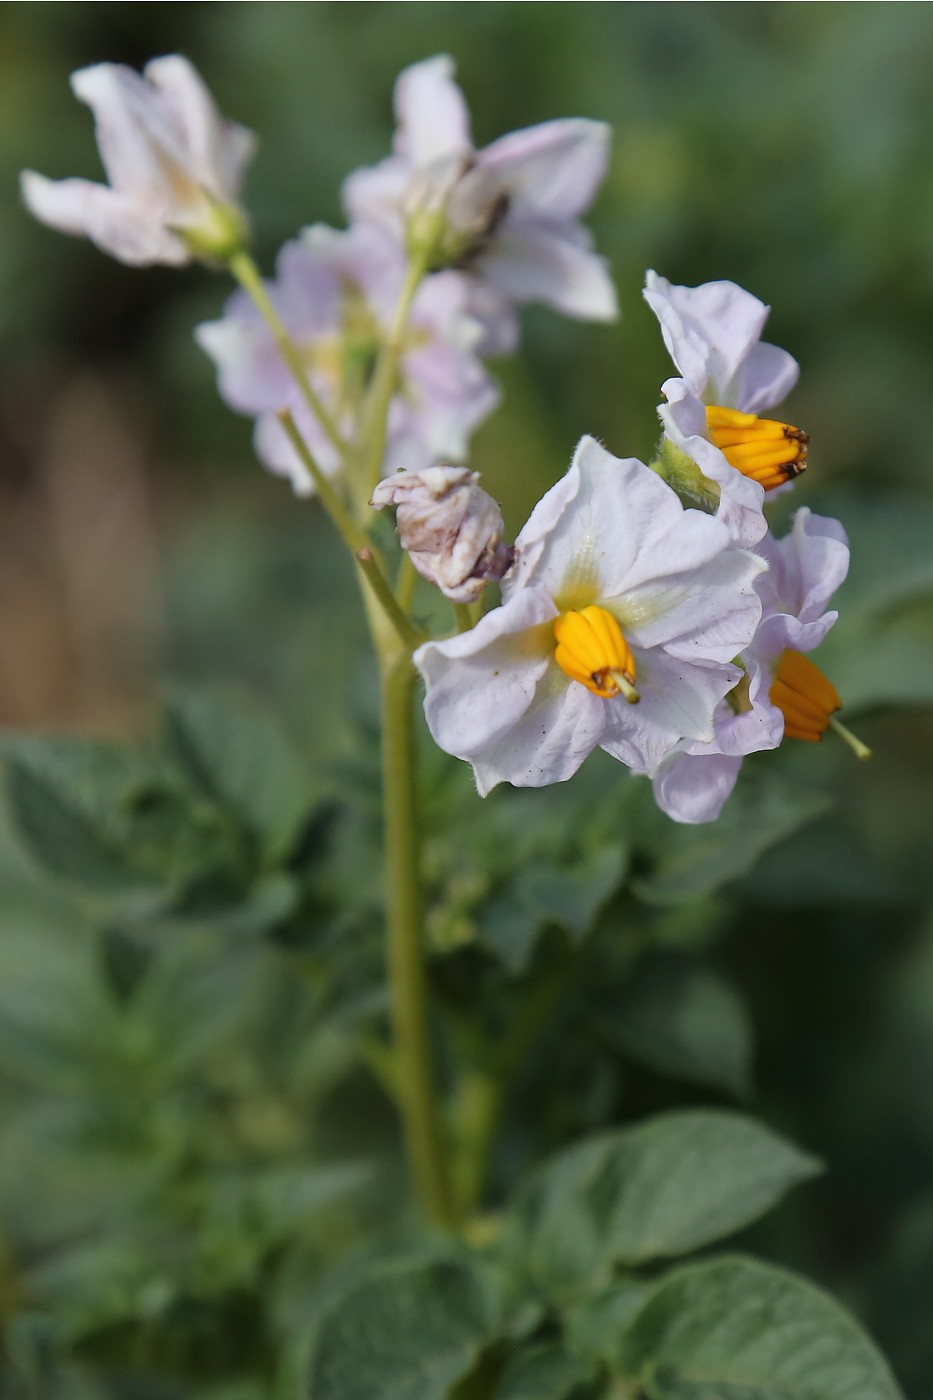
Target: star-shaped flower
729	377
617	629
173	163
510	212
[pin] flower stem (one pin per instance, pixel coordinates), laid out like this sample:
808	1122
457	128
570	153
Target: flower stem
376	409
355	538
408	633
407	977
244	269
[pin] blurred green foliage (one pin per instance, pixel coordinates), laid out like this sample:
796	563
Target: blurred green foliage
194	1092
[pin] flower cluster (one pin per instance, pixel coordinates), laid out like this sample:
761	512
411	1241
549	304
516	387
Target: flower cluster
646	610
672	636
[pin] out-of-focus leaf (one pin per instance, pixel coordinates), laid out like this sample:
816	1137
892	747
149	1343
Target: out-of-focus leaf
892	563
665	1187
736	1327
239	758
567	893
595	1325
403	1335
680	1019
110	820
545	1372
692	861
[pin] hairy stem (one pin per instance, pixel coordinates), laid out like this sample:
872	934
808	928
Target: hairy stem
376	408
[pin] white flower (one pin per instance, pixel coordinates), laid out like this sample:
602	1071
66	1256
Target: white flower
784	694
729	377
511	211
450	526
619	595
335	293
173	164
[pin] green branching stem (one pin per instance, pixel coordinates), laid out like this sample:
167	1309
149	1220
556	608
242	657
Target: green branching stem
407	974
244	269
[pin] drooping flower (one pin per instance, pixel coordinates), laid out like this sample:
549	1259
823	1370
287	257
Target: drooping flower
729	378
617	629
507	216
335	293
173	163
450	526
783	694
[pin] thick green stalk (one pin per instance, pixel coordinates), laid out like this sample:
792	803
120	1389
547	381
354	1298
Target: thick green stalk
249	277
407	975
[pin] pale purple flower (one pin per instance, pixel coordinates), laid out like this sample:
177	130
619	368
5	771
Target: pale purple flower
804	570
450	526
335	292
713	334
610	535
511	211
173	163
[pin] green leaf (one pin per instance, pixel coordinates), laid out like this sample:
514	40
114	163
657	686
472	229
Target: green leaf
572	896
237	757
595	1325
737	1328
682	1020
696	860
109	819
545	1372
403	1335
668	1186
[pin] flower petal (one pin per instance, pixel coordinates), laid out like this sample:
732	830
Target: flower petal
764	378
551	171
479	684
553	264
111	221
217	150
433	120
708	611
559	730
583	537
708	330
693	790
678	700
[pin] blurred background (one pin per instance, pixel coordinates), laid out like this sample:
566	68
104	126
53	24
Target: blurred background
788	147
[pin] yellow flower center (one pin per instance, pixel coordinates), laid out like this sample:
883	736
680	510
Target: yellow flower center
767	451
804	696
592	650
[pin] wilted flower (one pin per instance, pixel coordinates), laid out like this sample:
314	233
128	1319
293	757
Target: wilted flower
450	526
619	621
335	292
783	694
508	216
713	334
173	164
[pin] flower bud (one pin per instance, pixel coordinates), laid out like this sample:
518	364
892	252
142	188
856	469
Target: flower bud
450	526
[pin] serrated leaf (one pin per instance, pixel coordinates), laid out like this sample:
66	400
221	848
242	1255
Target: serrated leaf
236	756
734	1327
668	1186
693	861
682	1020
403	1335
545	1372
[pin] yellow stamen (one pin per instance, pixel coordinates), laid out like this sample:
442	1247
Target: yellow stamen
767	451
807	701
592	650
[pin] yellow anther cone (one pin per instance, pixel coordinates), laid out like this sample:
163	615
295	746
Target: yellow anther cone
592	650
